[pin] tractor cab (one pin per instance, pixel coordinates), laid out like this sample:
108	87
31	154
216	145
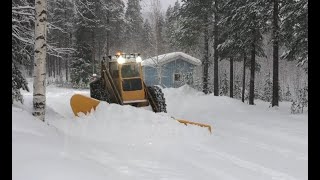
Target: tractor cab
121	81
126	72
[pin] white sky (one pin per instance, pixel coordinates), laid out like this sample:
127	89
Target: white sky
145	4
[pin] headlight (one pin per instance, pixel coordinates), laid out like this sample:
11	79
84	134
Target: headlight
121	60
138	59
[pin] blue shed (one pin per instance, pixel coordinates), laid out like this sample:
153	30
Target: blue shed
170	70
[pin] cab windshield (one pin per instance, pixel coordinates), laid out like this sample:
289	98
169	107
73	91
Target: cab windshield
130	70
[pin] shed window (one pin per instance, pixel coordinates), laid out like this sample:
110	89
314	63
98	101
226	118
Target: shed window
177	77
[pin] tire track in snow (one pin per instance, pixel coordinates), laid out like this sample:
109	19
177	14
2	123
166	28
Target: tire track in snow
275	175
285	152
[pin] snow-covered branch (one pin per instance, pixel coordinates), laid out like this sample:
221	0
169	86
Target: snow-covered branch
59	52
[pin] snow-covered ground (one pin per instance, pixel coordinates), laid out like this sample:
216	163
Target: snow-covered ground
123	142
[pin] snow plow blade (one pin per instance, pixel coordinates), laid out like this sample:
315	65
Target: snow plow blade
185	122
80	103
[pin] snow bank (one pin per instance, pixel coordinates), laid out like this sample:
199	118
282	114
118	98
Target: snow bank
124	142
127	124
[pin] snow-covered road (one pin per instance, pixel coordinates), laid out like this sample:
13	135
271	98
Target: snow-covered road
123	142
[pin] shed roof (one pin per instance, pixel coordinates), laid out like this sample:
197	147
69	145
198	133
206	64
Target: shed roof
165	58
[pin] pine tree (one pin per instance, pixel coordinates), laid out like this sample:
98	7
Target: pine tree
287	95
267	89
80	66
275	40
22	45
247	21
301	101
134	24
97	31
196	18
18	82
157	23
237	88
147	39
294	32
224	85
172	25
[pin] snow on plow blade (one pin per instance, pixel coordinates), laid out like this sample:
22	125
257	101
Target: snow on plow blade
80	103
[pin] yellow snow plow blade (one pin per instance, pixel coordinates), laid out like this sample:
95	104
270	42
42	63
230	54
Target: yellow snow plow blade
185	122
84	104
80	103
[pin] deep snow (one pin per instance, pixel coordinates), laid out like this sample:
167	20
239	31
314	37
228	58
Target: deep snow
123	142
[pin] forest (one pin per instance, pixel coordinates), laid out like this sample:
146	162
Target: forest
250	49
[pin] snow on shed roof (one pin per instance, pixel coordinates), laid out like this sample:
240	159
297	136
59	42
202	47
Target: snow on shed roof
165	58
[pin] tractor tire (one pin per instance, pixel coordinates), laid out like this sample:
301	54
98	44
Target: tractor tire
97	90
158	97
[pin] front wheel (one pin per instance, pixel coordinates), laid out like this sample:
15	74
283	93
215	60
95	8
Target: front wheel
97	91
158	102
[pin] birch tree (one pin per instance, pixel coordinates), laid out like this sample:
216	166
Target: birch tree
40	49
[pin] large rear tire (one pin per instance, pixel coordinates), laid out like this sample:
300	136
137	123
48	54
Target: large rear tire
158	98
97	90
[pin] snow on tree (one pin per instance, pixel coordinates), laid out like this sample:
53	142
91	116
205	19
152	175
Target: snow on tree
80	66
133	26
287	96
22	45
224	85
294	33
301	101
96	30
237	88
200	18
147	39
267	90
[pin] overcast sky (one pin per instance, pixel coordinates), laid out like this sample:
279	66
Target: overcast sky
145	4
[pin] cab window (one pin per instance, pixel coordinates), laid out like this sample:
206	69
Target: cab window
130	70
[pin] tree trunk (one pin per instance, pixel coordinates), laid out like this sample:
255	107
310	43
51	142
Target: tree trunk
48	65
206	58
93	52
252	67
40	50
66	40
54	66
215	55
231	77
244	76
275	34
108	37
59	67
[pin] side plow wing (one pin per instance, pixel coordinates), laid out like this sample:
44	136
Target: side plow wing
185	122
80	103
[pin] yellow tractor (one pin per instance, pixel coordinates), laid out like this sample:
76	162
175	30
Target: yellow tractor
121	82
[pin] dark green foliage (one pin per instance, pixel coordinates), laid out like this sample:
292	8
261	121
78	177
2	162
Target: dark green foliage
133	26
18	82
295	31
147	39
81	69
98	27
22	45
171	30
301	102
267	89
287	96
224	85
237	88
